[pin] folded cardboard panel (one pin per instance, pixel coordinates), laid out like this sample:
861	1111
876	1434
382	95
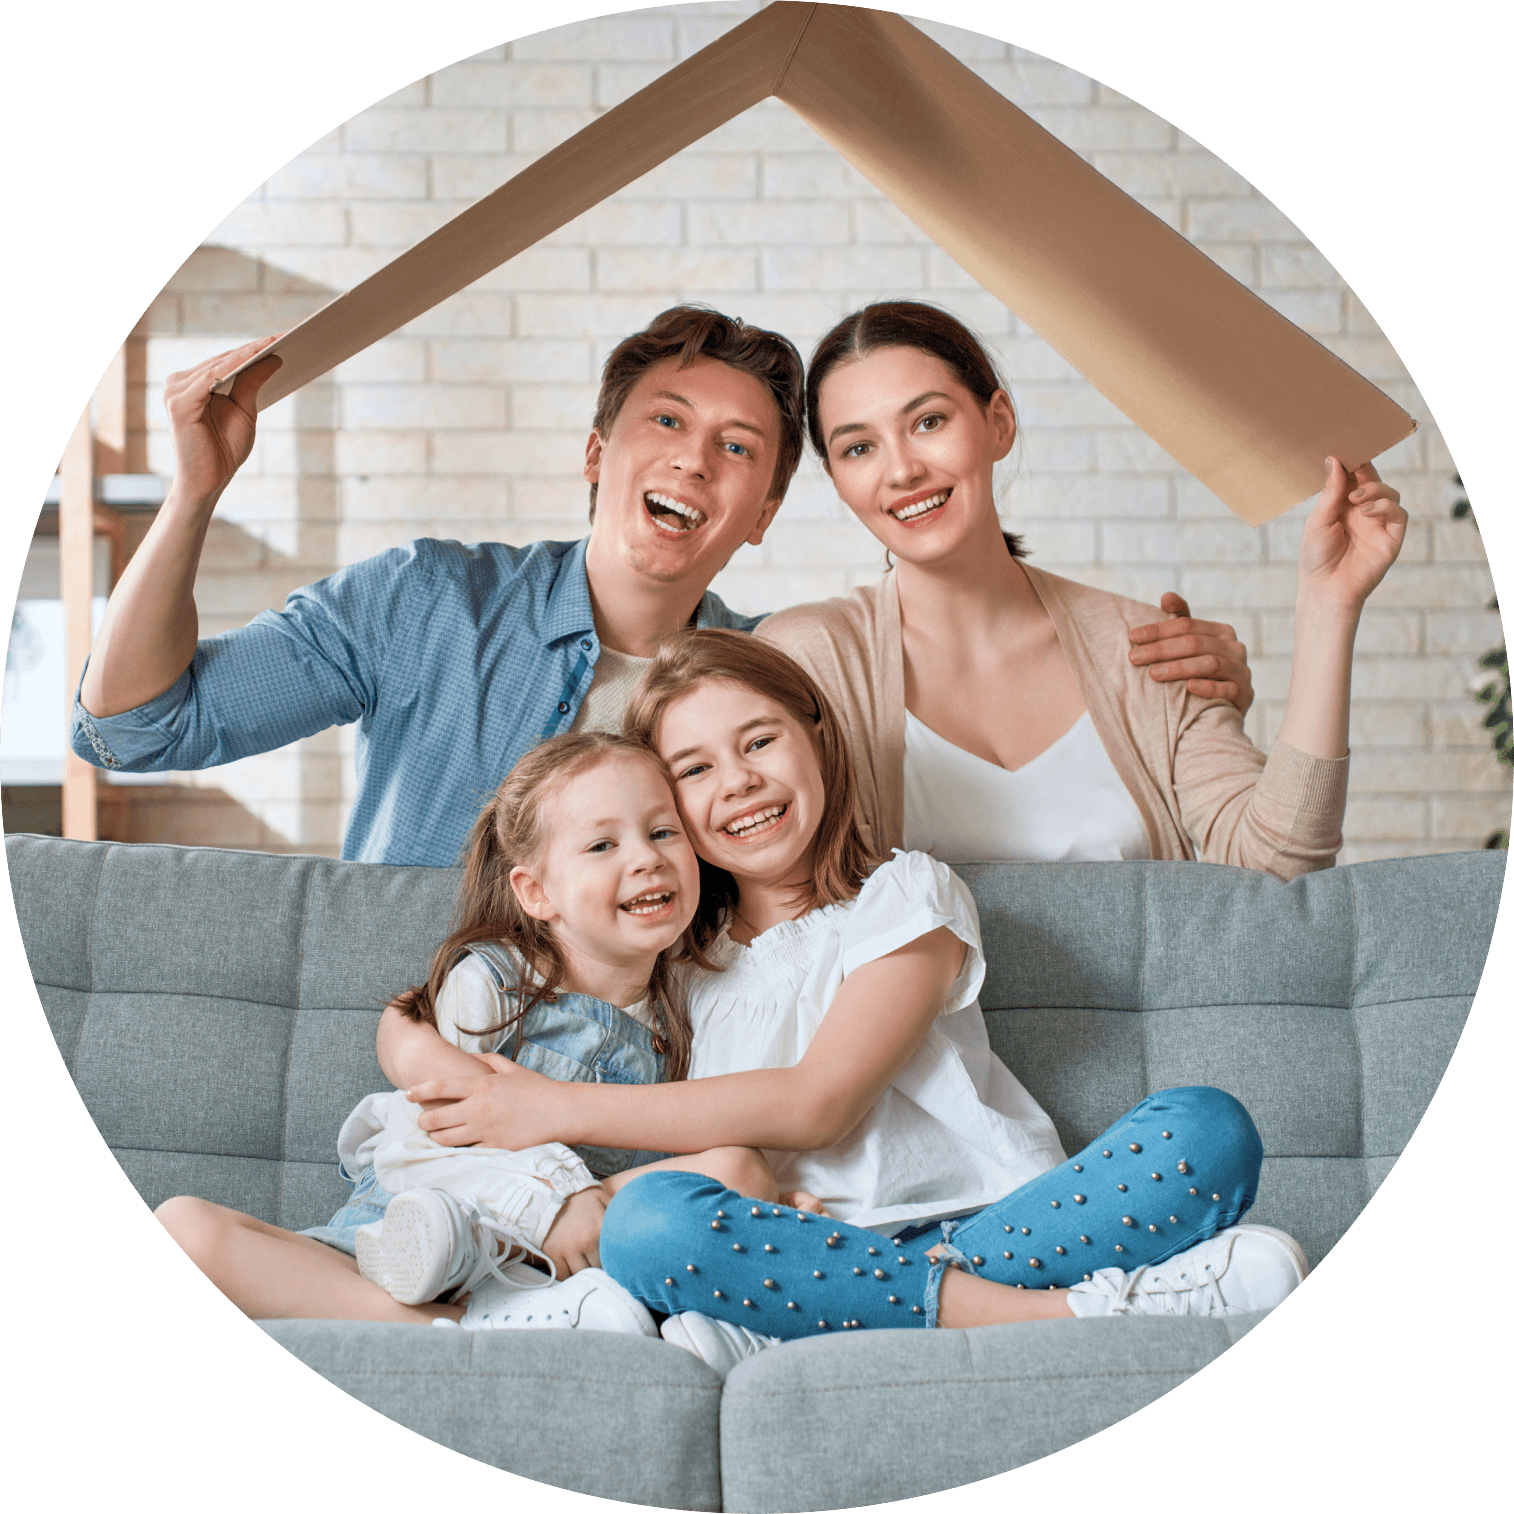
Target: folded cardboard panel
1240	396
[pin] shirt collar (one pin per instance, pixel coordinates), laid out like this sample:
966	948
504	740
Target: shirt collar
569	609
570	612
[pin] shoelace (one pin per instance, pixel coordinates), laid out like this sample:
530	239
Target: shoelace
1199	1296
488	1231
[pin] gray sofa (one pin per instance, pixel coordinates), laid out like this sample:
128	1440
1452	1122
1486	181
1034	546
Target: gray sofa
217	1010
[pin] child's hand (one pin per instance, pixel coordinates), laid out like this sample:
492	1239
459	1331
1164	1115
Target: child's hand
573	1241
799	1199
510	1106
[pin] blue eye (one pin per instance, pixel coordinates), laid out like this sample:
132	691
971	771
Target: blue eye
664	833
601	846
665	420
737	448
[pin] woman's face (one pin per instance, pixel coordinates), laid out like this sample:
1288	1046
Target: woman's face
911	452
747	780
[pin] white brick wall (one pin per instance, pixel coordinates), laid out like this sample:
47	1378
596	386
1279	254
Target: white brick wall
470	422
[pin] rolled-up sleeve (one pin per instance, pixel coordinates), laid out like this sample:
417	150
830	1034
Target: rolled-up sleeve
1281	813
288	673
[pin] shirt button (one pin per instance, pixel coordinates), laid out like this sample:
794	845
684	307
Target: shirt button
588	646
562	708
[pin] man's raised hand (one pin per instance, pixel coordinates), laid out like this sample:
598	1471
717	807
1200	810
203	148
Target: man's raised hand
213	433
1203	653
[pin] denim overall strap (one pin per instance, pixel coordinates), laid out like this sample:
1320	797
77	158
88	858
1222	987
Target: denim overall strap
573	1038
1181	1165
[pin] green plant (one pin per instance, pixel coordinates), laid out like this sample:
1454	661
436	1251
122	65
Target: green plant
1495	694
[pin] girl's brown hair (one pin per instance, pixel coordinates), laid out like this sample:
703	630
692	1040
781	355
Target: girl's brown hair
508	834
841	859
903	323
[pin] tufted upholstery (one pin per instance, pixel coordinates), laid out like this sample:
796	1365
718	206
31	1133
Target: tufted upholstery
217	1011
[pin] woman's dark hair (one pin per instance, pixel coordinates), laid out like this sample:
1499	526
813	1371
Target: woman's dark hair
903	323
508	834
840	858
687	332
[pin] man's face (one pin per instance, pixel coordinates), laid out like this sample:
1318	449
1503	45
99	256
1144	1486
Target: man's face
685	475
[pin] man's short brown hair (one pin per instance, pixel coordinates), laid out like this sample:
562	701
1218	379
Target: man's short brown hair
687	332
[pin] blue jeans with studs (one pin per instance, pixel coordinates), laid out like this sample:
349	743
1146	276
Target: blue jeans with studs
1183	1164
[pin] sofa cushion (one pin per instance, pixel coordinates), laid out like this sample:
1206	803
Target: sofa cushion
616	1416
888	1414
217	1011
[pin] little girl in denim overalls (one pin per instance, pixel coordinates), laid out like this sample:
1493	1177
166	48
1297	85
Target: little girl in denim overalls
538	901
571	1038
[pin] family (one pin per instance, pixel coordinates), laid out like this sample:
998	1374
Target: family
703	1053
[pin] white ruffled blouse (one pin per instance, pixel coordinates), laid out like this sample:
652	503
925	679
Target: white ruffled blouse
955	1130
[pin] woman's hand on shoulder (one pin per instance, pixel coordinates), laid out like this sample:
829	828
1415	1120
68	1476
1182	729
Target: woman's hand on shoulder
1204	654
1351	538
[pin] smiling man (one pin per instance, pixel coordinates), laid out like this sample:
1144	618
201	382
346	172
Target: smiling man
453	660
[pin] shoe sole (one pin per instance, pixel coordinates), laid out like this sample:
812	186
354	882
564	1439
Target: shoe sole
402	1259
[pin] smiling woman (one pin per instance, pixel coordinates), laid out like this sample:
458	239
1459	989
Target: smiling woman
965	667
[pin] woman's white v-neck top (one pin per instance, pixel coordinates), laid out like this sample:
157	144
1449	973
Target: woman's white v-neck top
1066	805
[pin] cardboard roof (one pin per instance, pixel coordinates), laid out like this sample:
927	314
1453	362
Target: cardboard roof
1242	398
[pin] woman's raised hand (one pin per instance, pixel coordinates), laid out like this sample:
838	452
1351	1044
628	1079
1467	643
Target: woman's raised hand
213	433
1351	537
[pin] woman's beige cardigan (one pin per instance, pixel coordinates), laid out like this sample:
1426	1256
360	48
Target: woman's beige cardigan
1201	787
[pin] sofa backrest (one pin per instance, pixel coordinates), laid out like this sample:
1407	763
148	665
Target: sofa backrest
217	1009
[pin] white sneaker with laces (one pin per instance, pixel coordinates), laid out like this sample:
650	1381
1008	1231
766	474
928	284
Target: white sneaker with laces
589	1300
1242	1269
429	1242
714	1341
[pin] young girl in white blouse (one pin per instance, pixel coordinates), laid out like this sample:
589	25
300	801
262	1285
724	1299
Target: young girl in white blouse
841	1035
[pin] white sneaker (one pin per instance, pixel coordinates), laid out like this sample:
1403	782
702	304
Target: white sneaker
1242	1269
713	1340
429	1242
589	1300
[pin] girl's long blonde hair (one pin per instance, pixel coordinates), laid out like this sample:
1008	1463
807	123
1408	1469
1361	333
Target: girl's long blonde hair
840	857
508	834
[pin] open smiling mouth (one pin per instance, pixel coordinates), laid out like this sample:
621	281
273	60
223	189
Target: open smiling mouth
648	904
671	515
758	823
918	509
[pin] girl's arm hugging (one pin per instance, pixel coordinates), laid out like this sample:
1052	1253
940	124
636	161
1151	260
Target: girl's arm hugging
874	1025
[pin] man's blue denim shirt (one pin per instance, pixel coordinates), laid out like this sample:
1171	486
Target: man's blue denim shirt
454	661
